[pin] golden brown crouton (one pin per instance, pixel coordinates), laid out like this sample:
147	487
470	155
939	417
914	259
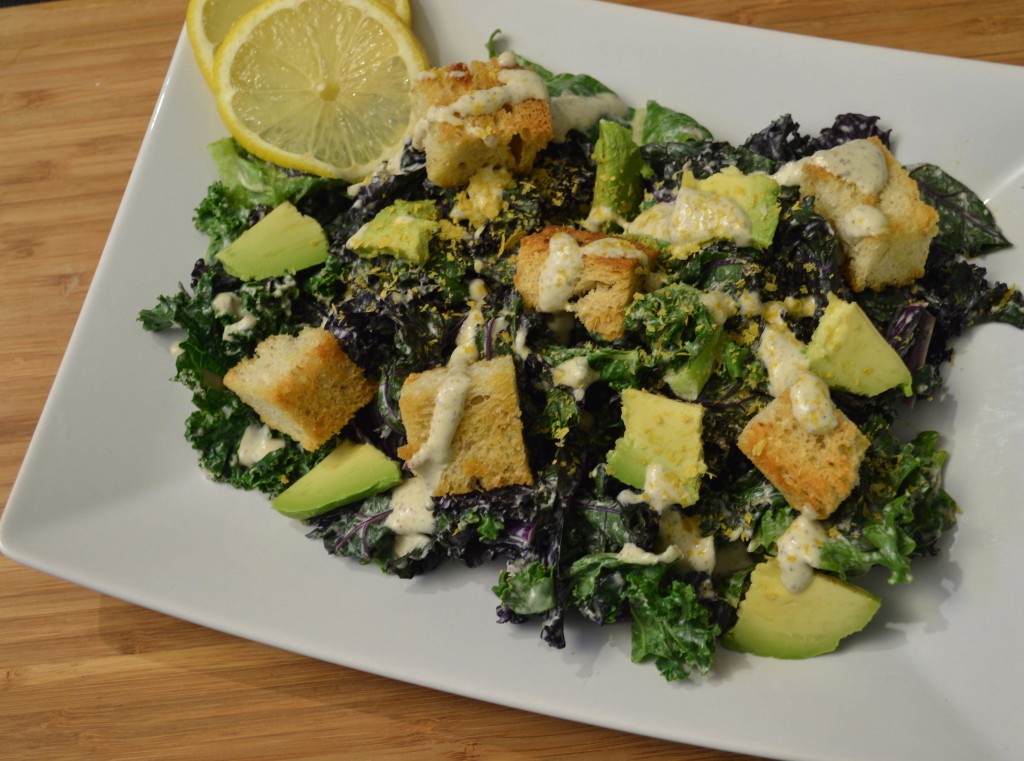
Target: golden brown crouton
884	236
606	285
814	472
487	450
476	115
304	386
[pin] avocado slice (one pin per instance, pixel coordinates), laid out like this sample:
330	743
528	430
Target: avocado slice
282	243
662	436
757	194
848	352
775	623
403	229
618	182
349	473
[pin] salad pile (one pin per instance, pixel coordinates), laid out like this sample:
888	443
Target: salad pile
578	541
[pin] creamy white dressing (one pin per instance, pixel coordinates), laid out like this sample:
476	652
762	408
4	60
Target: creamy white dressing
581	112
521	349
576	374
563	268
229	304
693	219
799	552
632	553
699	217
515	86
863	221
859	162
412	508
560	274
257	442
614	248
660	491
788	370
812	404
783	357
412	501
720	304
696	552
601	217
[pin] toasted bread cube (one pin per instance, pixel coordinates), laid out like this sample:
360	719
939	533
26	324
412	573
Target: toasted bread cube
604	290
487	450
304	386
814	472
476	115
884	237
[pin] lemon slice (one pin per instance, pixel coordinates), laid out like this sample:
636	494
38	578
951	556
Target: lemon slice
321	86
208	23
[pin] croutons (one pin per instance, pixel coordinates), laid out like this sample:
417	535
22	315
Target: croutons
884	234
487	450
609	275
814	472
480	114
304	386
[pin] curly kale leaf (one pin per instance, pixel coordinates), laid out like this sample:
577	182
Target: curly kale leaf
680	333
215	340
966	225
215	429
782	140
358	530
528	591
597	524
668	160
619	368
670	623
898	512
221	217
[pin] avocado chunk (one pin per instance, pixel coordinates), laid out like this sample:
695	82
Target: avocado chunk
349	473
728	205
757	194
282	243
403	229
776	623
661	450
618	182
848	352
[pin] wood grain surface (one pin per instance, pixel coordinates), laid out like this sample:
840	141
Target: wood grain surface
87	676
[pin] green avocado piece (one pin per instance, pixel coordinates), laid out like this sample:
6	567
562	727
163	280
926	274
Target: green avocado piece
282	243
403	229
687	381
848	352
349	473
662	443
775	623
618	181
757	194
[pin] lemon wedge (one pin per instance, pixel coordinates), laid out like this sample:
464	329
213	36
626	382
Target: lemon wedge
321	86
209	21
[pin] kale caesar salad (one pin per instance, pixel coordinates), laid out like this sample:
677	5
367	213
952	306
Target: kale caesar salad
641	374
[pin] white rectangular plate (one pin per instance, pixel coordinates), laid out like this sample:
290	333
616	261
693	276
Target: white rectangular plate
110	496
